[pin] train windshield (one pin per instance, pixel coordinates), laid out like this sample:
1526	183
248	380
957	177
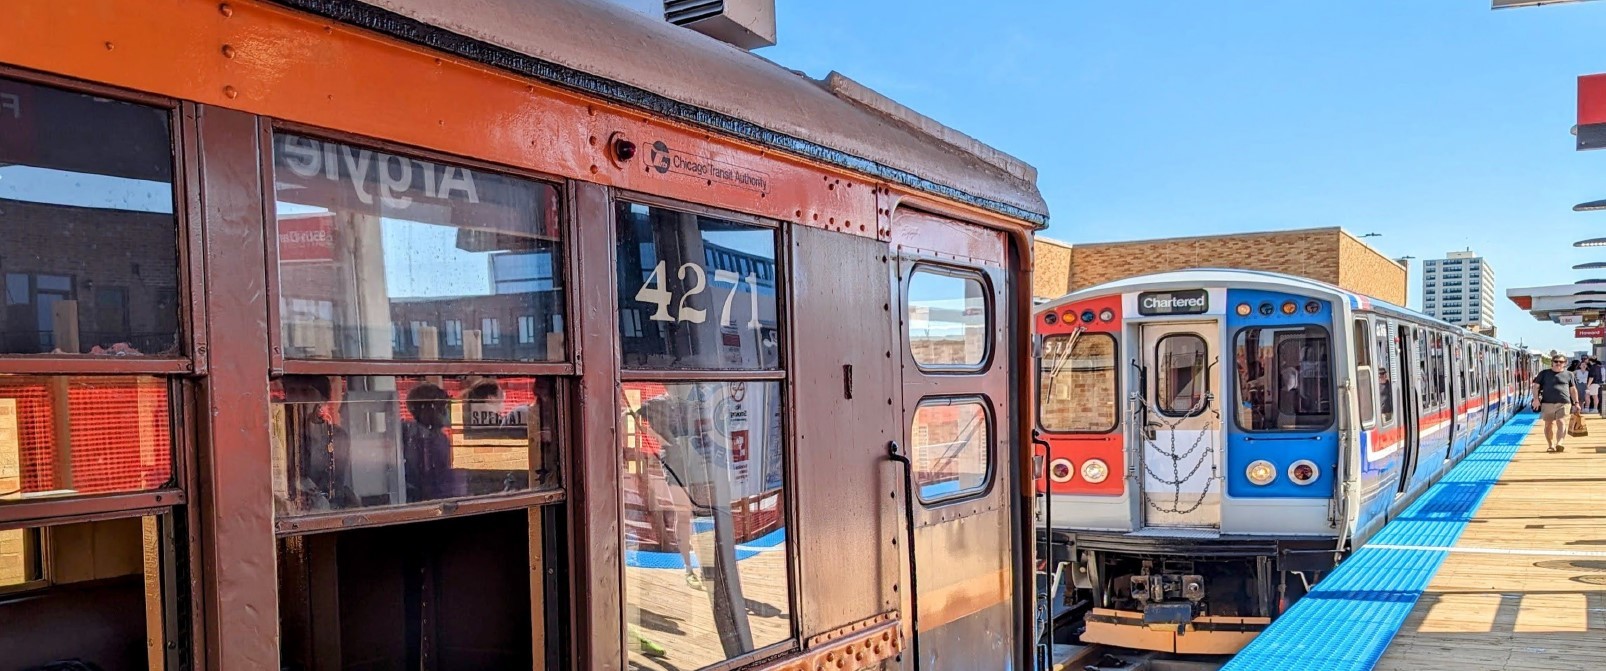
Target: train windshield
1077	383
1285	379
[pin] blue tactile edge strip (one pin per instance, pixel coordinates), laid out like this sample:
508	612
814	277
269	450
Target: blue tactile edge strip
1349	618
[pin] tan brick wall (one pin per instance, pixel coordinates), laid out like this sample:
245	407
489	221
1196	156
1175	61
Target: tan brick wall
1051	269
1362	269
1326	254
1311	253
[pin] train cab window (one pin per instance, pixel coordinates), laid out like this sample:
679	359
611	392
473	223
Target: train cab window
948	319
1077	383
704	479
368	238
695	291
1286	382
91	251
950	448
1181	380
1365	376
342	442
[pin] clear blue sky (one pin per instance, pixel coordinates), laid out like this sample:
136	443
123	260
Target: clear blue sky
1439	123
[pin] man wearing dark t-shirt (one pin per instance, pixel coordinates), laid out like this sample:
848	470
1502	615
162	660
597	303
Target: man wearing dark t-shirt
1554	394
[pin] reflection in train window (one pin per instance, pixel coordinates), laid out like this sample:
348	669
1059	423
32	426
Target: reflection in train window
948	318
696	292
1387	356
368	238
705	521
1181	383
1077	382
951	444
346	442
1286	381
86	212
67	436
1365	377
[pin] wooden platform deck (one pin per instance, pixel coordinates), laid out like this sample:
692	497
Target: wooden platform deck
1525	586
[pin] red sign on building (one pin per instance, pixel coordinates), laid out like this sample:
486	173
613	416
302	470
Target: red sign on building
1590	332
306	237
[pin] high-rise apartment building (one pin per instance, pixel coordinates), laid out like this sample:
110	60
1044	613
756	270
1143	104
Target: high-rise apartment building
1459	289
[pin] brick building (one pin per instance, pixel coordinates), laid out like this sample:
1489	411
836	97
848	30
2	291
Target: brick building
1330	255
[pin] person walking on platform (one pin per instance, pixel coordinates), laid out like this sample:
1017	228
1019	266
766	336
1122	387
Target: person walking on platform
1596	375
1555	392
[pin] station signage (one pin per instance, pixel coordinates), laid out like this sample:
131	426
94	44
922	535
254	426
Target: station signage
1185	302
1590	332
1570	320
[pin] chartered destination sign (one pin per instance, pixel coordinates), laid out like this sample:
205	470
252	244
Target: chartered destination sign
1188	302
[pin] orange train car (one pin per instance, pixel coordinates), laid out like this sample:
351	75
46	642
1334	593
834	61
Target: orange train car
503	334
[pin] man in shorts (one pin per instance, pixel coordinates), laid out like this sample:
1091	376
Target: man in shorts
1554	394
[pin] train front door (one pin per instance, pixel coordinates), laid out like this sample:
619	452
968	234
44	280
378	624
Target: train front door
955	454
1180	432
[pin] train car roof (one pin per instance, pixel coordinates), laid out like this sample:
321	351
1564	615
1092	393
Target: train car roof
1265	279
603	49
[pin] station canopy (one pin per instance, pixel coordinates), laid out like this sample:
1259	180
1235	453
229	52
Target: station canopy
1570	304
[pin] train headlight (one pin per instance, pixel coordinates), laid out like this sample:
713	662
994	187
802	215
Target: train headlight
1095	471
1107	315
1290	308
1303	472
1087	316
1312	307
1261	472
1244	309
1266	310
1060	470
1050	319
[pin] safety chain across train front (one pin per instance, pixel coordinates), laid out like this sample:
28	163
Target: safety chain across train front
1177	458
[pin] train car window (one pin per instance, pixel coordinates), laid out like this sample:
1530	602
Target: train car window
1386	361
343	442
705	521
1365	377
1286	383
1077	384
1181	382
696	292
951	448
91	252
83	594
80	435
368	239
949	319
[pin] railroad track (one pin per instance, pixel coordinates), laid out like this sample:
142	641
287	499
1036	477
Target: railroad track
1108	658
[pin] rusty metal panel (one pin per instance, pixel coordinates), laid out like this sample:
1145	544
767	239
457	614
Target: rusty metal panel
844	381
596	554
240	584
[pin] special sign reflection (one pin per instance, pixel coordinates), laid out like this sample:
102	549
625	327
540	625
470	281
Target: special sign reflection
706	555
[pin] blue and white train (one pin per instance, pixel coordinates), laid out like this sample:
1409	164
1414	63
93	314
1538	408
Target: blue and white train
1214	441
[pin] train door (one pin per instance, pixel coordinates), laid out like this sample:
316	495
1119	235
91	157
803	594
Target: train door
1181	436
1410	382
956	448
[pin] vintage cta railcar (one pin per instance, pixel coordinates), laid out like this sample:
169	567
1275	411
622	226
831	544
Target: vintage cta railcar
506	334
1216	441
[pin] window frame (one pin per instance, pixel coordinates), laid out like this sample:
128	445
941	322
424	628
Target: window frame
990	442
963	273
1115	353
190	304
1332	380
781	375
1163	408
279	364
563	372
1384	353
